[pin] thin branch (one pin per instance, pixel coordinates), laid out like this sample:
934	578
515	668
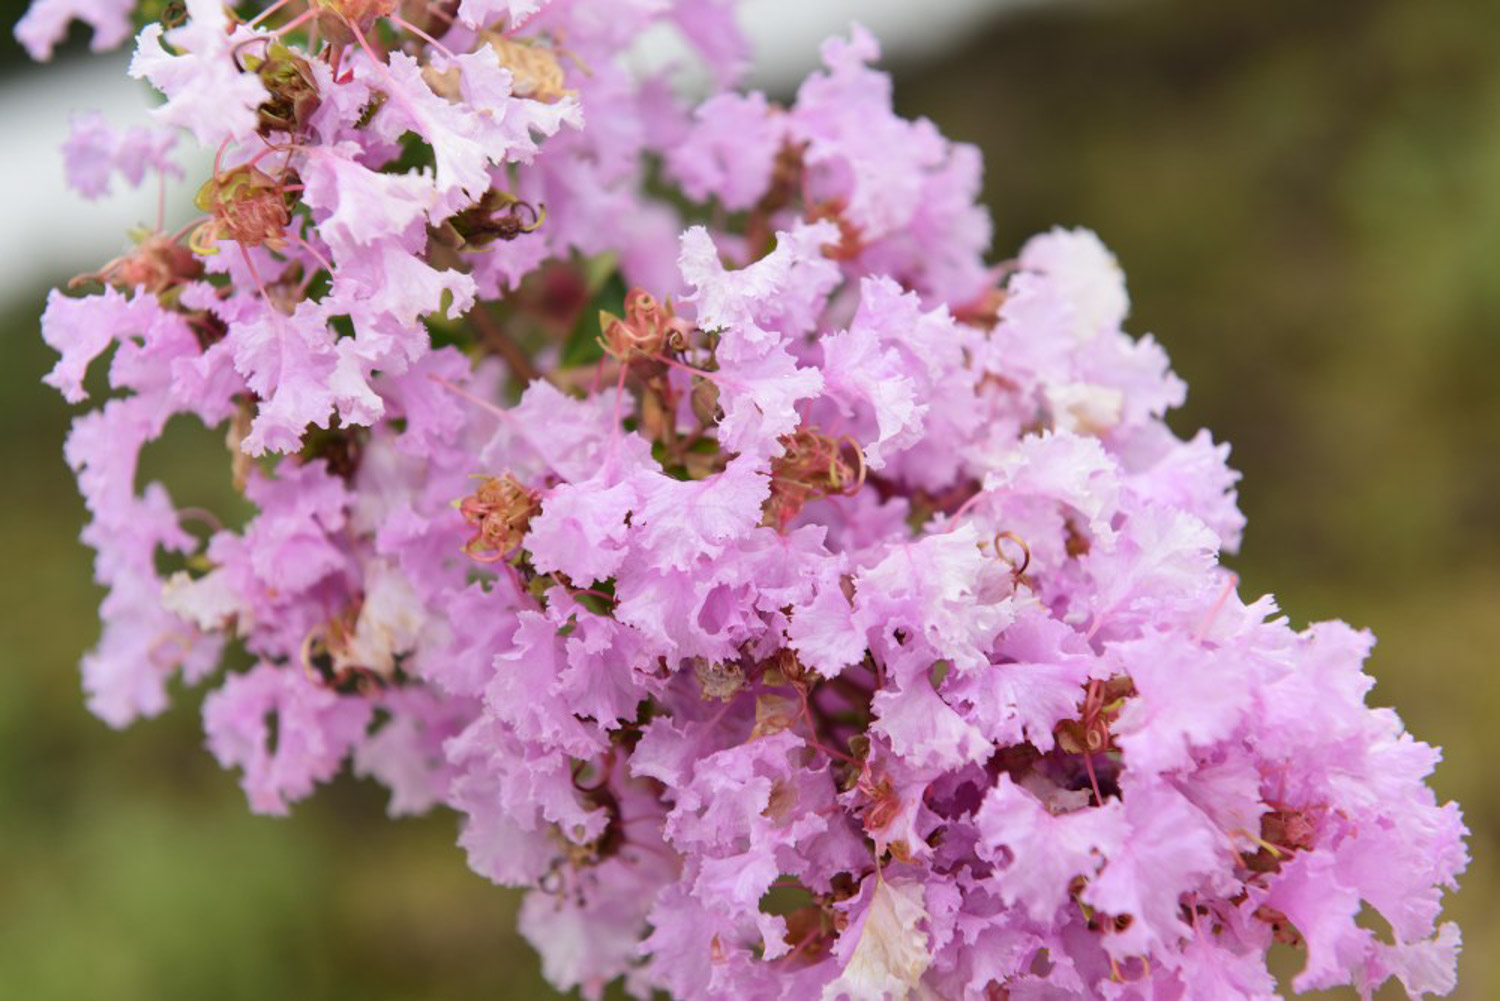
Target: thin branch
499	342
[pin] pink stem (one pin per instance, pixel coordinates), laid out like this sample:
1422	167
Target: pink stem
400	22
457	390
314	251
1213	613
266	13
295	22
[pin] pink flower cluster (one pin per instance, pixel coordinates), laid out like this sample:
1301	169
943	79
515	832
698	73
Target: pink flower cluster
799	606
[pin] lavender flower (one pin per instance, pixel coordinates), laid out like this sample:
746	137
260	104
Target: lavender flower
836	616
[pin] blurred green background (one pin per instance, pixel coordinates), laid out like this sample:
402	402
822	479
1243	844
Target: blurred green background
1306	199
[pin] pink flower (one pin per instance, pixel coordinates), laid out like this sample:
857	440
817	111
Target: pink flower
94	152
314	729
843	621
45	24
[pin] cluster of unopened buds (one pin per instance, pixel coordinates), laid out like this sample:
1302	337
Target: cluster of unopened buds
797	604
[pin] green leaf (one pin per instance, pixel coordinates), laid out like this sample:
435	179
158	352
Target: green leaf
582	347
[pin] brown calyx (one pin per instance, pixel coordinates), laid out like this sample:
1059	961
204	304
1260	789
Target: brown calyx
811	466
247	205
158	264
500	511
648	329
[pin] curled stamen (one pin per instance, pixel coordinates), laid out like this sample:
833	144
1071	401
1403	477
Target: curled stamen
648	330
174	14
858	482
201	515
538	214
314	645
574	592
1016	571
203	238
498	215
604	770
812	466
234	52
